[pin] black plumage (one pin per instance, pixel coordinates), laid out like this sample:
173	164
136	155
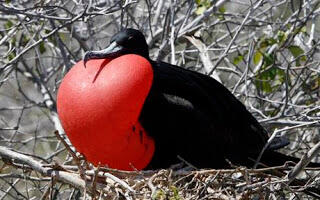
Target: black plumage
192	116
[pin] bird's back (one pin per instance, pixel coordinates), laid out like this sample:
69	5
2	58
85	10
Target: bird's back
192	115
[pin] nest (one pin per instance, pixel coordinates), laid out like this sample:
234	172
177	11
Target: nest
239	183
78	178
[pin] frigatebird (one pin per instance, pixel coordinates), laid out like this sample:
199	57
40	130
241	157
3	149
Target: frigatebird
192	117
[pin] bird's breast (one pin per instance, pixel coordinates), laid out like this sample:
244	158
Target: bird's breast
99	108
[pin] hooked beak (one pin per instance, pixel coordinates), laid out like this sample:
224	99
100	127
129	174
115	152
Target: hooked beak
112	51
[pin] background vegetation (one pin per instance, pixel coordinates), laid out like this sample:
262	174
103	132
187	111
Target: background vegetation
265	52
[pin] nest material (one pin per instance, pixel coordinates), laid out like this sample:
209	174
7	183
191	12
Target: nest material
239	183
104	183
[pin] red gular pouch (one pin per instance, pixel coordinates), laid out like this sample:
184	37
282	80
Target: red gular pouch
99	107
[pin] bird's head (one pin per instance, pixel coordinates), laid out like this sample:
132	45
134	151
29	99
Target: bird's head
127	41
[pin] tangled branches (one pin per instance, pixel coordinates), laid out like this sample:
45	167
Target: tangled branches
239	183
265	52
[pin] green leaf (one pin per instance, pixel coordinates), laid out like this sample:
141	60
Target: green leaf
295	51
63	37
257	57
42	48
267	42
200	10
263	85
9	24
303	29
206	3
270	79
203	5
46	31
237	59
25	40
282	36
281	75
175	191
159	194
11	56
266	87
13	40
316	84
268	59
222	9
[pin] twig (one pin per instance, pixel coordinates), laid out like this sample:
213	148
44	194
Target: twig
65	177
204	56
304	161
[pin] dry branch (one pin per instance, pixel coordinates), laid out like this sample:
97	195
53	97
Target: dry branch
63	176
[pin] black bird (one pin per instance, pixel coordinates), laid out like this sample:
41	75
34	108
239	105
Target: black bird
193	117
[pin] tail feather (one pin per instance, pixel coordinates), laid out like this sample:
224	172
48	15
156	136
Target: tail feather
278	143
273	158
